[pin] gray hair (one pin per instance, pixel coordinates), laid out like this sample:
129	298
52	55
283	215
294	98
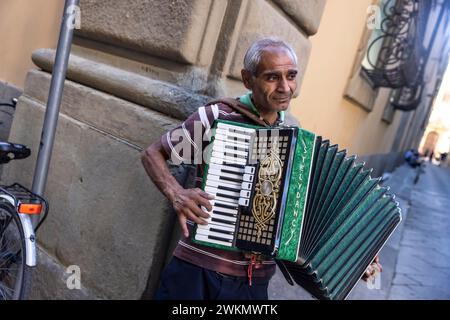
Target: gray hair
253	55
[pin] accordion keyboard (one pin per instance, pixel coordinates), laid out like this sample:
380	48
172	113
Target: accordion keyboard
246	207
230	179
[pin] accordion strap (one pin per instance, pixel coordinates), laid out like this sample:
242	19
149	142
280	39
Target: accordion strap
241	108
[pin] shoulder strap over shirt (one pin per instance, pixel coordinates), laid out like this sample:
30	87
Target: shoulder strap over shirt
239	107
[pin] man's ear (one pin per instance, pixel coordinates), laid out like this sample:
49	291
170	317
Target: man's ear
247	78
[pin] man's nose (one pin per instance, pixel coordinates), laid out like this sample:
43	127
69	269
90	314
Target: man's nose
283	85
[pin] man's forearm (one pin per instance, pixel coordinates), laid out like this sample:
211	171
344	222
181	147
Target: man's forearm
156	167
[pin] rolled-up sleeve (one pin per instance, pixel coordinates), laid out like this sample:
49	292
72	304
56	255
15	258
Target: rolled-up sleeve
185	143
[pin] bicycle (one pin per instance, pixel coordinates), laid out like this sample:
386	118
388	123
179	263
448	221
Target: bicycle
18	253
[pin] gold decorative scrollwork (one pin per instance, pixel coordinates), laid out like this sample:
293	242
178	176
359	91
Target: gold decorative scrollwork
267	189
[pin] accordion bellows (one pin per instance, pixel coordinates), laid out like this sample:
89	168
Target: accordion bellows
288	194
347	220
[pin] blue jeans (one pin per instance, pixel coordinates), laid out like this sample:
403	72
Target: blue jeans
181	280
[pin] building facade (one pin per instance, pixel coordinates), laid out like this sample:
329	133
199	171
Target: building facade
137	69
338	102
140	67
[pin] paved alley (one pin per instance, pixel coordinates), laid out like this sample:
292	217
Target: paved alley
416	259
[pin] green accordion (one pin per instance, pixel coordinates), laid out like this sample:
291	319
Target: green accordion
286	193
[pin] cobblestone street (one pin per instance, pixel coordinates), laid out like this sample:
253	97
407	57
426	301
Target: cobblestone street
416	259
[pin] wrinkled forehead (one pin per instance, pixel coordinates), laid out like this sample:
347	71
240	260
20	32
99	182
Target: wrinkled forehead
276	58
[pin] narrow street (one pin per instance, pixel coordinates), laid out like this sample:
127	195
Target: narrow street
416	259
423	265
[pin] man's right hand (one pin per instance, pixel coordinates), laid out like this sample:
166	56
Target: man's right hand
187	204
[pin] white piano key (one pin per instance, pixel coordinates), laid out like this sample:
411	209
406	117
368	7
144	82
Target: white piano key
216	191
245	194
225	174
246	186
249	169
231	133
215	182
234	127
223	204
201	237
228	168
219	209
221	224
227	157
214	177
234	143
230	144
229	200
229	151
230	184
216	234
222	161
226	228
216	206
230	220
226	236
244	202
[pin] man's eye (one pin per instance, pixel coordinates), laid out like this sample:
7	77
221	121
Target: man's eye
272	77
292	76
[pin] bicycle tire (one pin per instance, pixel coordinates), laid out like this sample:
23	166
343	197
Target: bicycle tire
15	275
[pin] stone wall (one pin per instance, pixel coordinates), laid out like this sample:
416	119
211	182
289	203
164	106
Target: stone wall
137	69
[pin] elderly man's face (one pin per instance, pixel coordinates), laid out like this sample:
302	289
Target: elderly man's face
275	81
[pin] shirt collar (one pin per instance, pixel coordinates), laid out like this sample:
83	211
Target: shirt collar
247	100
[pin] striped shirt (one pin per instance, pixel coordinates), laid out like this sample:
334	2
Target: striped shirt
186	143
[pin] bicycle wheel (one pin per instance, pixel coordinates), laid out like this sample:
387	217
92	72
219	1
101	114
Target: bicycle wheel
15	275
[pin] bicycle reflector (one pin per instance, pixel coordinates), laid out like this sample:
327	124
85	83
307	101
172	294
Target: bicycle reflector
30	208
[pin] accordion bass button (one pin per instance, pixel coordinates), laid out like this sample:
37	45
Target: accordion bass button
248	177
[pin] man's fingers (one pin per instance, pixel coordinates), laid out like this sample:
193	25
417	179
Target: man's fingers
204	202
193	206
192	212
182	220
204	194
195	218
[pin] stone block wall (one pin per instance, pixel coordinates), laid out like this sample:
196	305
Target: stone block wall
136	70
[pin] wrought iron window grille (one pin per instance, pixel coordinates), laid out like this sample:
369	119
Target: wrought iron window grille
395	58
409	97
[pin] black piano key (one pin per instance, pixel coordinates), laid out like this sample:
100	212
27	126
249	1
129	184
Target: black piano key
233	155
221	231
231	172
245	133
219	238
241	166
231	147
227	214
227	196
239	139
232	179
229	188
222	221
227	206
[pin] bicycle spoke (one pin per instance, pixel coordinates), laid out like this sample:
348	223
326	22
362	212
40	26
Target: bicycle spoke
3	292
12	264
